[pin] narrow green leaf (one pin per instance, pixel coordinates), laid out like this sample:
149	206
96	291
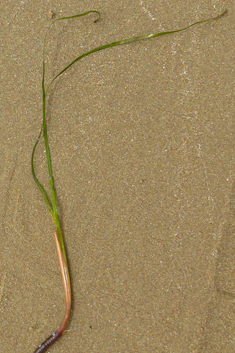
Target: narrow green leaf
129	40
36	179
79	15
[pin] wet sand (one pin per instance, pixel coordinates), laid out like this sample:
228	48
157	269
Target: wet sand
142	144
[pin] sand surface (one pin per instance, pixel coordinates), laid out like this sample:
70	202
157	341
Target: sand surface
143	153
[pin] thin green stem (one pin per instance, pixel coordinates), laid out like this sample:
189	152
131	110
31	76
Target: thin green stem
52	204
44	129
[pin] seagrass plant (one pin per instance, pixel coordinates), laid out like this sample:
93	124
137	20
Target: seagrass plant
51	202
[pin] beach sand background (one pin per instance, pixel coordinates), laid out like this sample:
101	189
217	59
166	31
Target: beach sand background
143	153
